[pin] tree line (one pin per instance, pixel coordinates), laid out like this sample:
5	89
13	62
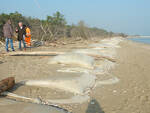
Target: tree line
54	27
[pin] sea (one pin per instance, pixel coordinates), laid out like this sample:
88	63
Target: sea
145	40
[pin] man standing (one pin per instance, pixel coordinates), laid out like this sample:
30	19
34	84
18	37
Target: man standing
21	35
8	34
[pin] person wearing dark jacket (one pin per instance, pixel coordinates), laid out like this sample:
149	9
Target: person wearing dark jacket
21	35
8	34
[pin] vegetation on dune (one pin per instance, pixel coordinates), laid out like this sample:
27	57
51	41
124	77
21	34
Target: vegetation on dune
54	27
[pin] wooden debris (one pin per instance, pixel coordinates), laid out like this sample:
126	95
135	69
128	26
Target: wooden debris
1	43
21	98
7	84
36	53
53	44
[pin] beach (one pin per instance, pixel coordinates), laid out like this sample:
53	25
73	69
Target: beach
112	77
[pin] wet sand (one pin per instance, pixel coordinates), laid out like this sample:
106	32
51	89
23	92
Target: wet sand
129	95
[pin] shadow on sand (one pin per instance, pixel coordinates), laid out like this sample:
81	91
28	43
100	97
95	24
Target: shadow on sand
16	86
1	62
94	107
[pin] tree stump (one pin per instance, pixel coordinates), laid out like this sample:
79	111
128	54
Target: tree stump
7	84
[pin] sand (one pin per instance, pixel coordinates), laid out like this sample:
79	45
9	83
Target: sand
132	93
122	88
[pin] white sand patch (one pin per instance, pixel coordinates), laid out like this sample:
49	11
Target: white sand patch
87	51
73	70
109	52
111	81
74	59
101	67
107	43
107	47
115	40
104	45
77	85
104	67
78	99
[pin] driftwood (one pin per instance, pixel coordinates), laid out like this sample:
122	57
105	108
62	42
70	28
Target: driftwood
38	53
1	43
7	84
21	98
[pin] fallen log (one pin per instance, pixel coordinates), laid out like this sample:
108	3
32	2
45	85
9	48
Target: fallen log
21	98
7	84
36	53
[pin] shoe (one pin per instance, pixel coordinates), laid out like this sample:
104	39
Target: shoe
13	50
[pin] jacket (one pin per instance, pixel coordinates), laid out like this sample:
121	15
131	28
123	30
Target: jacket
7	30
28	32
21	33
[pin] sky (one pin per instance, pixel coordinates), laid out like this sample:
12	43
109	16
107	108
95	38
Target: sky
128	16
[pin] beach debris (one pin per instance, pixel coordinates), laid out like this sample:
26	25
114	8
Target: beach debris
81	60
2	43
103	67
87	52
53	44
107	43
97	54
77	85
7	84
21	98
89	65
35	53
37	43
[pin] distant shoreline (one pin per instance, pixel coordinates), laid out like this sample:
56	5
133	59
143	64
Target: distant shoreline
138	37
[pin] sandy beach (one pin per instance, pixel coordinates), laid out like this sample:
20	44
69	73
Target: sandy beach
112	77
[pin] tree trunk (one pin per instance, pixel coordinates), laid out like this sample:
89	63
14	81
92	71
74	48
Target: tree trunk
7	84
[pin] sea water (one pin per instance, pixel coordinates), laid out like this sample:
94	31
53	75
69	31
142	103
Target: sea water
141	40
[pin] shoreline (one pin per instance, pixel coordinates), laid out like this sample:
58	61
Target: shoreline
142	44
